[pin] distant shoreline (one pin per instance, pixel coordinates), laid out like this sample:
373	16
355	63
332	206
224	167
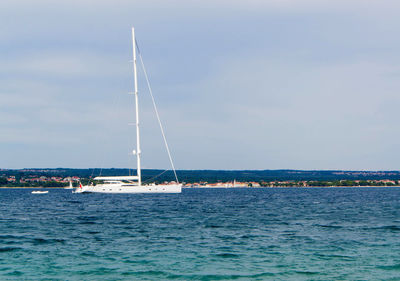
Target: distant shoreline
258	187
31	187
213	187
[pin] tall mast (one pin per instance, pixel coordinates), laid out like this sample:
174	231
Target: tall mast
138	152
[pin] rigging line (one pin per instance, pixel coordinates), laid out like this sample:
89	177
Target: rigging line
155	109
156	176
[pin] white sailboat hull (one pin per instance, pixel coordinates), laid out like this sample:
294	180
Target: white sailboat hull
127	184
116	188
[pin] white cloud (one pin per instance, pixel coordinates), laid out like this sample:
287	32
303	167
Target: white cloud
280	114
240	84
64	65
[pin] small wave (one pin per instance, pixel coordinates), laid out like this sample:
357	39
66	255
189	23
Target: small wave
9	237
9	249
256	276
307	272
85	218
40	241
390	227
390	267
15	273
176	238
166	275
385	228
328	226
227	255
335	257
93	232
213	226
87	222
88	254
149	272
248	236
226	237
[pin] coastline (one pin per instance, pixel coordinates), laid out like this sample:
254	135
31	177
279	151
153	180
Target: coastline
31	187
212	187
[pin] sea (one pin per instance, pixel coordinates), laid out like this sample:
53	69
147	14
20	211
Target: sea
202	234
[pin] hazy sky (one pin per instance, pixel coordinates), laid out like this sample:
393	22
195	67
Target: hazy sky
256	84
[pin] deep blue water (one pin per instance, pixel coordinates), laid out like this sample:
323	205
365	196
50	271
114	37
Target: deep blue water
202	234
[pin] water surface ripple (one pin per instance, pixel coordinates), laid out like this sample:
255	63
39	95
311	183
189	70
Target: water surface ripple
209	234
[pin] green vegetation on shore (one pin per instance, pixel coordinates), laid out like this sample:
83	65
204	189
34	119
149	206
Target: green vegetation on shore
337	183
5	183
266	178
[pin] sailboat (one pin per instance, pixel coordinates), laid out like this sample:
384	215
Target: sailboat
133	184
70	184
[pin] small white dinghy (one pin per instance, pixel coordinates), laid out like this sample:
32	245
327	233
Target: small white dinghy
39	192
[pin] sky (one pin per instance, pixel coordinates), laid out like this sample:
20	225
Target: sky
256	84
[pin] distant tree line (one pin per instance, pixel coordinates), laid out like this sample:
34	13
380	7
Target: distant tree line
329	183
33	184
294	177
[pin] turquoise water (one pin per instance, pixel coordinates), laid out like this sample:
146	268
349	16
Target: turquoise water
209	234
